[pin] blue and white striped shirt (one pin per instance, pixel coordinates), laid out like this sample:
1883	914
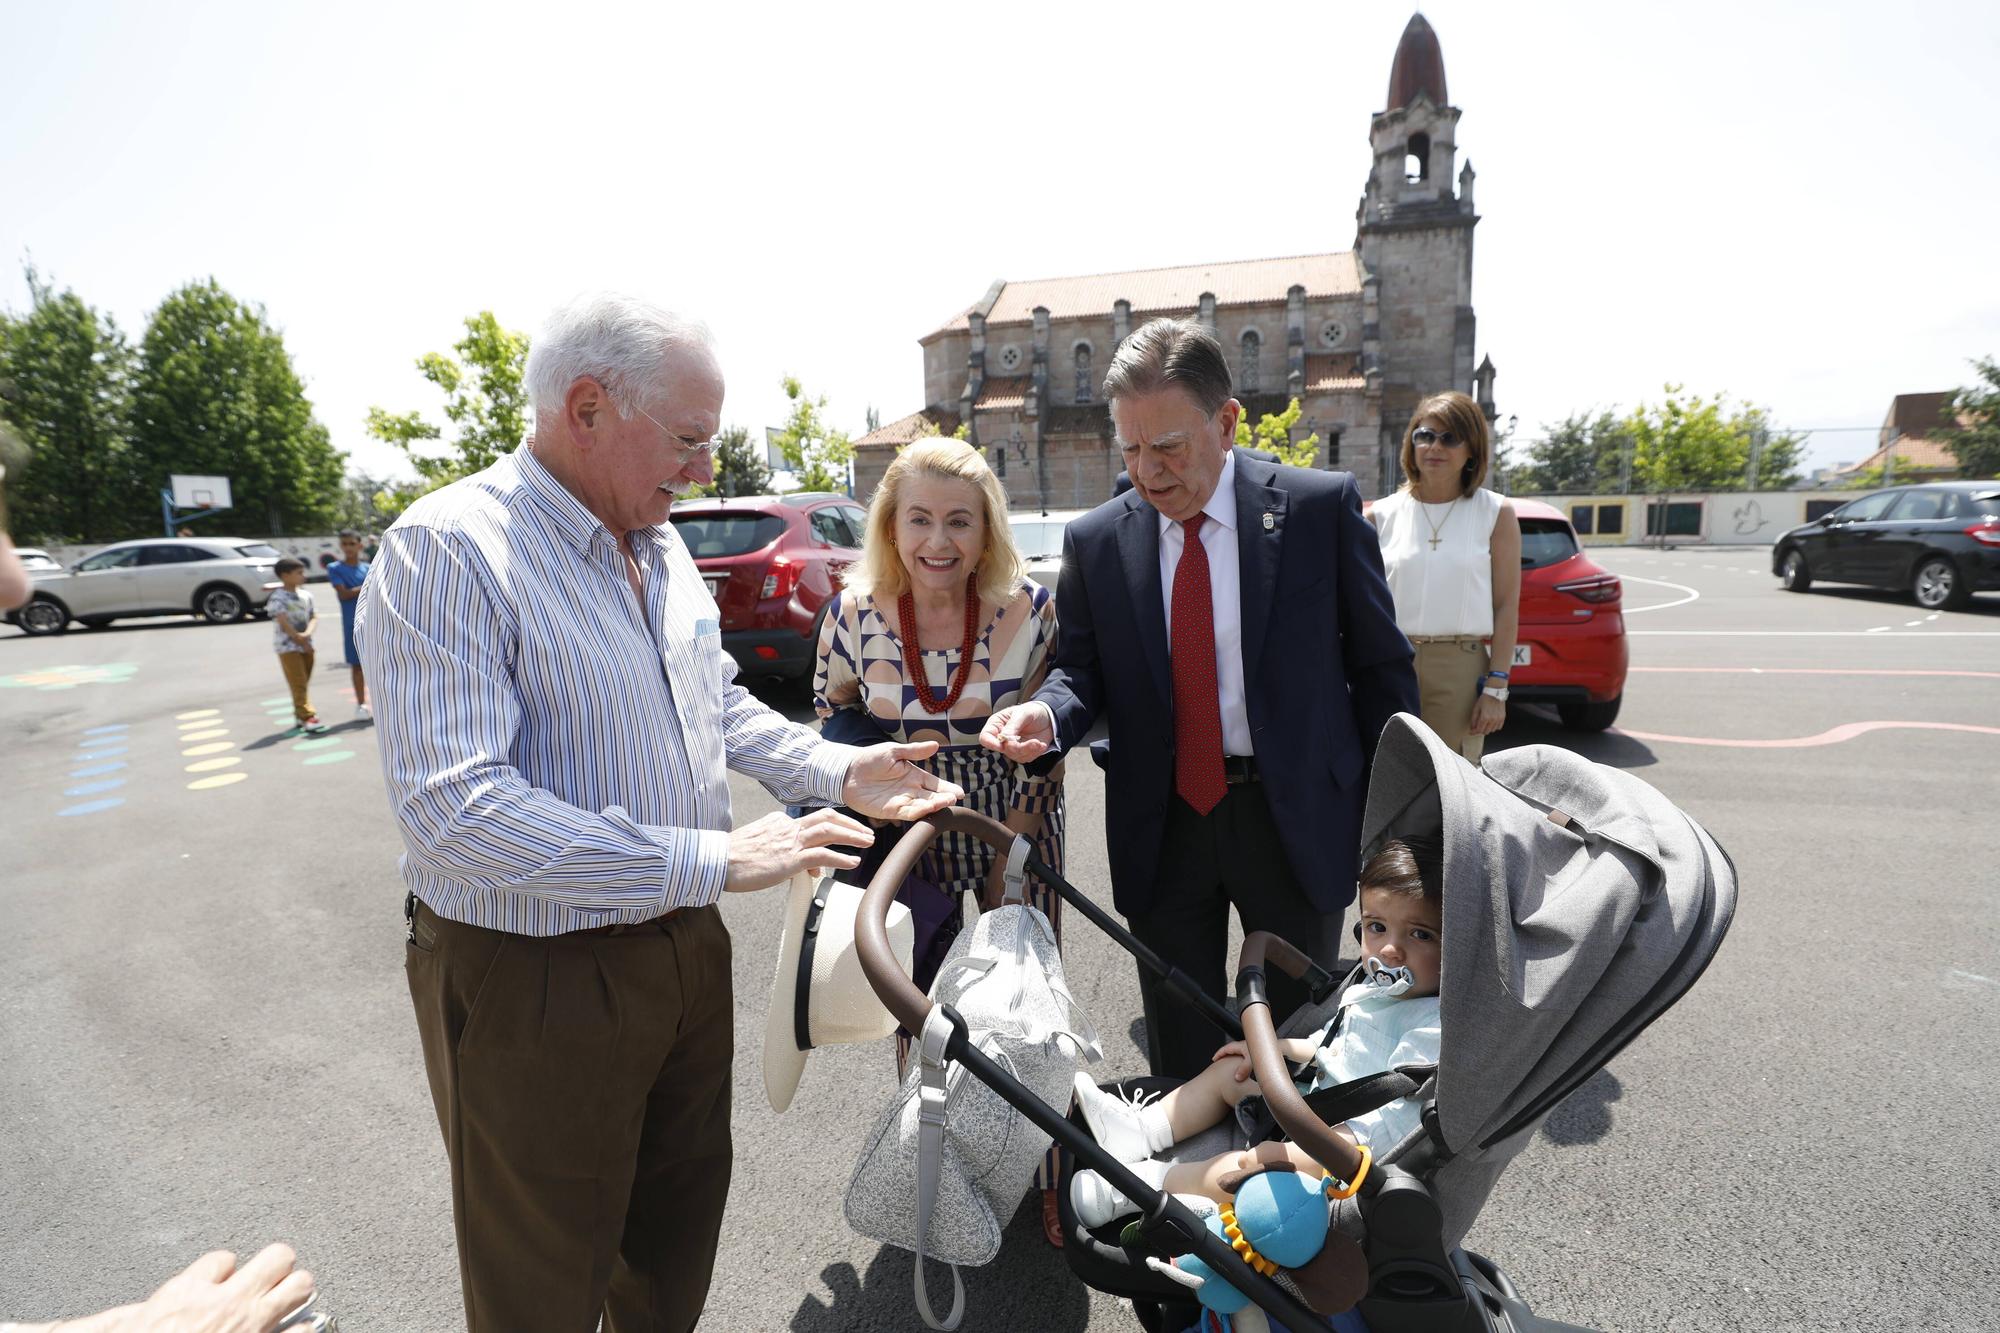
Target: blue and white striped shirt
555	758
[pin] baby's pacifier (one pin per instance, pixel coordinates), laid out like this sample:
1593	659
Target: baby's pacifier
1386	980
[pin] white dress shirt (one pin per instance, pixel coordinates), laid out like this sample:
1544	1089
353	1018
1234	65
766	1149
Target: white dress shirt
1225	590
554	752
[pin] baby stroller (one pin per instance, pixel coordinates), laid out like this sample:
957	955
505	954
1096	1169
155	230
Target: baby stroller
1579	905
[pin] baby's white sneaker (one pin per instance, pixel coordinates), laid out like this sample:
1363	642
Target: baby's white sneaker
1131	1131
1097	1203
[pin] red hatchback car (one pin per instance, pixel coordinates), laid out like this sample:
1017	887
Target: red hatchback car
1571	652
771	562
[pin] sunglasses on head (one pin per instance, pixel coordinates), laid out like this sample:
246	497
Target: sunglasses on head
1424	435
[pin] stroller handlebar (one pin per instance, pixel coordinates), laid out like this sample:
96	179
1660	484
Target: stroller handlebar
1267	1058
899	995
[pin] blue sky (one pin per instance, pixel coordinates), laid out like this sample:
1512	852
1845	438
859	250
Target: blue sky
1790	203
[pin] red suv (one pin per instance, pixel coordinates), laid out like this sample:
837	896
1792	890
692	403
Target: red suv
772	563
1572	646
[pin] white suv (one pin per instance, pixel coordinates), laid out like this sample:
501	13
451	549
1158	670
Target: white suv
219	579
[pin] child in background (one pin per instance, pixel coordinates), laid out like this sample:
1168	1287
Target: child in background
1386	1019
347	574
294	616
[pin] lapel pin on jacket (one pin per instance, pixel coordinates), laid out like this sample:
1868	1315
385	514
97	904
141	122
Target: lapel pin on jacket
1270	520
820	996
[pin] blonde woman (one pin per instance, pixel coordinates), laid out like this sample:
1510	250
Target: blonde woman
938	627
1452	551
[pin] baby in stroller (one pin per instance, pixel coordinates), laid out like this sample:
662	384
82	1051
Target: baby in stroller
1387	1020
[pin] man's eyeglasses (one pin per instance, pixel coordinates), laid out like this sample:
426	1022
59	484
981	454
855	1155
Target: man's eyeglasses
704	450
1425	436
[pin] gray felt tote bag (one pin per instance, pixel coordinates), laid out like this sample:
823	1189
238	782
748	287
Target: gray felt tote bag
947	1166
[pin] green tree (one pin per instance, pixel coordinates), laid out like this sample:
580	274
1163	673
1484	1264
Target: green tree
1579	455
65	380
485	400
738	468
816	453
215	393
1691	443
1274	433
1976	443
360	503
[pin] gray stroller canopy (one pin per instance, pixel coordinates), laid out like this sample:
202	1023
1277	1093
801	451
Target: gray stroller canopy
1579	903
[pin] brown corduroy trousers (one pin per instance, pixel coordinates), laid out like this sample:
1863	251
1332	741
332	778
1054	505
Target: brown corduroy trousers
1448	686
582	1083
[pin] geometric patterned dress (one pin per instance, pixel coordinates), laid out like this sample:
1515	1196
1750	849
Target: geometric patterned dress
861	666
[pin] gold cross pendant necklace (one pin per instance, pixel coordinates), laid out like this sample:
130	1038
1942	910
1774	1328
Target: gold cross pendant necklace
1436	528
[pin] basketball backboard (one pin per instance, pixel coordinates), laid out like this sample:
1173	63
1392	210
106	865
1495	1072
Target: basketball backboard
199	492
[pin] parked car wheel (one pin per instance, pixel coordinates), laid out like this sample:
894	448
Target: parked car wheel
1794	574
1590	715
1937	586
220	604
44	615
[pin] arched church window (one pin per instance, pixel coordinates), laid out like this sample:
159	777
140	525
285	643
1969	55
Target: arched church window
1253	349
1417	163
1083	372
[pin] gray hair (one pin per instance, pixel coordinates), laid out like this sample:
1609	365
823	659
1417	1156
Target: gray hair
619	341
1171	351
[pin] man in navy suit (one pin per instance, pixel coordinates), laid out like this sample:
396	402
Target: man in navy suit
1246	684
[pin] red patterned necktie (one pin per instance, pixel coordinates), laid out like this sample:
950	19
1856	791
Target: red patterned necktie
1198	774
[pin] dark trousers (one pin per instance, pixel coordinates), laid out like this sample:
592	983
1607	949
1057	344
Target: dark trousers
1231	855
582	1084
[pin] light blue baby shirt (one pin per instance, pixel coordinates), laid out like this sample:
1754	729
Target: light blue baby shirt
1375	1029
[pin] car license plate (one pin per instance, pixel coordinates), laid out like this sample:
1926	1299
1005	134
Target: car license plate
715	583
1523	655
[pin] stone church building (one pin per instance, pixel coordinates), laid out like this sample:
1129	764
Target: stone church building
1358	336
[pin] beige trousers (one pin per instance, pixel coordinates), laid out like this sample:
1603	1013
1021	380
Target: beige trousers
1448	672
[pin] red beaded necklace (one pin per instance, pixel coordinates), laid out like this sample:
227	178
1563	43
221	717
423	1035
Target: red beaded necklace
906	614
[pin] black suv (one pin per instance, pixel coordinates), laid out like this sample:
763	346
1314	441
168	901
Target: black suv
1940	540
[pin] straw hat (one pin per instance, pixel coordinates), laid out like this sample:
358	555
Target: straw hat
820	996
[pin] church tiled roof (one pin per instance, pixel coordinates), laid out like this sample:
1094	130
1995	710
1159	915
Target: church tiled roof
906	430
1338	370
1002	394
1920	453
1176	290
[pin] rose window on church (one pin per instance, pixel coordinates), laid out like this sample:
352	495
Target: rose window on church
1331	332
1010	357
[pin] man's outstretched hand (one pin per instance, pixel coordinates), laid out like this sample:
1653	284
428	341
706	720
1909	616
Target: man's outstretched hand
1024	732
884	782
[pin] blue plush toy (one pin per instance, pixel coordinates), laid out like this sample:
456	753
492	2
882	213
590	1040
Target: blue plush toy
1279	1220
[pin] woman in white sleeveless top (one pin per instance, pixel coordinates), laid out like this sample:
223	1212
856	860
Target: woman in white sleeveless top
1452	550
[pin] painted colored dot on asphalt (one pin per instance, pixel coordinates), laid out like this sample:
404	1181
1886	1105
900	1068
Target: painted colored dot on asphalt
93	788
213	747
274	702
331	757
201	725
94	770
109	726
111	753
199	712
219	780
210	765
91	807
208	735
59	685
317	743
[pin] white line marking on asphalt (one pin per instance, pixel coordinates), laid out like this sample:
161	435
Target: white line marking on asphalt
1909	623
1879	629
1970	976
1692	594
1933	615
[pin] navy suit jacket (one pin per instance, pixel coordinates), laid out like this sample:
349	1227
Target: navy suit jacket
1324	668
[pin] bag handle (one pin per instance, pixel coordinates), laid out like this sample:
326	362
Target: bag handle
934	1096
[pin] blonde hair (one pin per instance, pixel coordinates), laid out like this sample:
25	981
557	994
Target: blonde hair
1462	417
879	573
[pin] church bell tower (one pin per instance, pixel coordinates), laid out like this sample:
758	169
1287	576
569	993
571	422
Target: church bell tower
1414	237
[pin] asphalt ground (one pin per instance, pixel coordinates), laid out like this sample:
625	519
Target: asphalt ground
205	1038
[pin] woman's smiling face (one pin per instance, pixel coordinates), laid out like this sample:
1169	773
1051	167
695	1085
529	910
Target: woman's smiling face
940	531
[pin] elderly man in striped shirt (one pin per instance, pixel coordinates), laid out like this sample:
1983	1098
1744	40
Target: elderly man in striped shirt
556	713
